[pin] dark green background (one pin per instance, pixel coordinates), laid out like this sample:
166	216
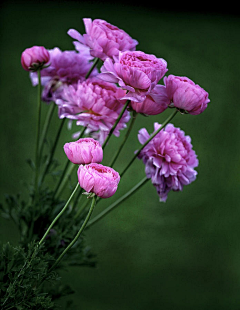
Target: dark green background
183	254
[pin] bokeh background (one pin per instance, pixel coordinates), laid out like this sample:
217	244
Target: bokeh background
182	254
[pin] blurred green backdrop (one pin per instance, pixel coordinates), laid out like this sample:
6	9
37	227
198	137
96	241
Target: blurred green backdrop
183	254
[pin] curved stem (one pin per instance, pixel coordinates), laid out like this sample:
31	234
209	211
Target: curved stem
38	132
83	206
151	137
52	151
92	67
78	234
46	126
125	139
59	214
117	202
115	124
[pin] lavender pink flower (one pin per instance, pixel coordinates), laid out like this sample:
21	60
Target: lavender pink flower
95	104
34	58
67	68
155	103
134	71
103	39
84	151
98	179
169	159
184	94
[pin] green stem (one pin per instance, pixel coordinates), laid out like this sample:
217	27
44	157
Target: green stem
46	126
83	206
117	202
59	214
38	132
65	179
151	137
78	234
125	139
92	67
52	151
115	124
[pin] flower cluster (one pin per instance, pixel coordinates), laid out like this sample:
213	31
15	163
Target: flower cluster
95	97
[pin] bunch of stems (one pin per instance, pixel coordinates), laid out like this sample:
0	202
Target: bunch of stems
67	170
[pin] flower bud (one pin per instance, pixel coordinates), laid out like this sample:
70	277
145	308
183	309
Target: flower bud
98	179
84	151
34	58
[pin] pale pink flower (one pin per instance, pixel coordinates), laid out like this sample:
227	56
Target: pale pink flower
84	151
34	58
169	159
134	71
184	94
98	179
103	39
66	68
95	104
155	103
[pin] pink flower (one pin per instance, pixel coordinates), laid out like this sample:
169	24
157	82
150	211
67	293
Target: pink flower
169	159
84	151
155	103
34	58
186	95
66	68
95	104
98	179
103	39
136	72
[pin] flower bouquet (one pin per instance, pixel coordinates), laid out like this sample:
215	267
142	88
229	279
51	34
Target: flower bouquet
100	88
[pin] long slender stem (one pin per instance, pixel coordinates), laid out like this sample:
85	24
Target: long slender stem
117	202
115	124
125	139
46	126
92	67
151	137
38	132
52	151
59	214
80	209
78	234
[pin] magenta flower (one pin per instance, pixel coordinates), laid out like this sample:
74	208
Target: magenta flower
84	151
103	39
184	94
34	58
95	104
66	68
136	72
169	159
155	103
98	179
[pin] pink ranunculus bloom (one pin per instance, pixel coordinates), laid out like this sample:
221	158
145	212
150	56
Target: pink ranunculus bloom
155	103
98	179
34	58
66	68
169	159
134	71
94	103
103	39
184	94
84	151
